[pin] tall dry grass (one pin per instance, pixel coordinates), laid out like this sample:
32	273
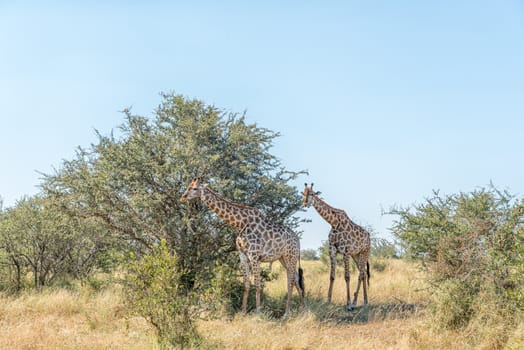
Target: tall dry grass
63	319
397	305
397	317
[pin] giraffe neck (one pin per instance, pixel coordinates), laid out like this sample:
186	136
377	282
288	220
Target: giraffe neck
328	213
234	214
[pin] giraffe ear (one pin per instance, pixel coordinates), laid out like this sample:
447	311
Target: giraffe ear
318	193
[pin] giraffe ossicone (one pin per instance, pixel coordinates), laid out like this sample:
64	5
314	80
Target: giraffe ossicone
347	238
258	241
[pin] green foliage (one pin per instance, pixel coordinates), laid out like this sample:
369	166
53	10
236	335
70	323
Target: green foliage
472	245
228	290
309	254
133	182
155	290
39	239
382	248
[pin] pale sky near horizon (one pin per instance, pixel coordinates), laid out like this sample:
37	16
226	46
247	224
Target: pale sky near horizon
380	101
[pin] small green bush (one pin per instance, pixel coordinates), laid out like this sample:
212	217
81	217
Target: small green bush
154	290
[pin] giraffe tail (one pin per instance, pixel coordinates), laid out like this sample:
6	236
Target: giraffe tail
301	280
369	275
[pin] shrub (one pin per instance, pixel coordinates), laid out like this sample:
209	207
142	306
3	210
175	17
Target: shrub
154	290
470	243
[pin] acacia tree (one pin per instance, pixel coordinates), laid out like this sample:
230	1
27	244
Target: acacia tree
133	181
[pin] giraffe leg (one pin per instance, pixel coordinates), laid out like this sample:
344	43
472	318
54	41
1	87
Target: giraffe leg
256	275
245	264
361	263
291	278
349	306
333	258
355	295
294	280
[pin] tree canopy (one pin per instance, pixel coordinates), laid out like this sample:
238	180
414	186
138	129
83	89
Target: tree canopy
132	179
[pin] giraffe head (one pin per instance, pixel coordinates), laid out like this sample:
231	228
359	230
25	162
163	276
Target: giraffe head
194	190
308	193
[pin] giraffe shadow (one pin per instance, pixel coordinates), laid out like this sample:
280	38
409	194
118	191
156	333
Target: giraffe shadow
337	314
273	308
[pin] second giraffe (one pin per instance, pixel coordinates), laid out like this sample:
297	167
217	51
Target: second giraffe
346	238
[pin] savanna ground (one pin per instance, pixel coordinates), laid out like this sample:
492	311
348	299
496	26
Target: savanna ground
398	317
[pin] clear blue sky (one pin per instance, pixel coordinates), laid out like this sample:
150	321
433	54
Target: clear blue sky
381	101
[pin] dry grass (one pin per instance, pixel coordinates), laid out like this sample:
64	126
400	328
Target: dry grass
306	332
396	318
397	299
62	319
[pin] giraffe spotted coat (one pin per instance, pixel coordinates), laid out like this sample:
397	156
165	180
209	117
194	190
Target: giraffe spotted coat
346	238
258	241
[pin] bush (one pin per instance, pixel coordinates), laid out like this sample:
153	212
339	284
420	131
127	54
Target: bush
154	290
470	243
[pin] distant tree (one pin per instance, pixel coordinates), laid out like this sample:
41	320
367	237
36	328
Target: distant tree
36	236
381	247
133	181
12	261
309	254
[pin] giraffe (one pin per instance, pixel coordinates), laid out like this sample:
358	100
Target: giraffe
258	241
346	238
